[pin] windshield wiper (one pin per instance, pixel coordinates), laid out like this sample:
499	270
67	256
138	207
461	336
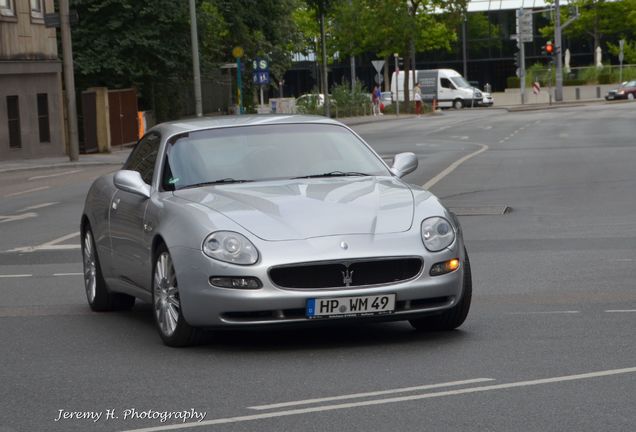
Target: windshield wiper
334	174
227	180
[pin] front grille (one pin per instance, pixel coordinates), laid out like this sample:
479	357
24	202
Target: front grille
355	273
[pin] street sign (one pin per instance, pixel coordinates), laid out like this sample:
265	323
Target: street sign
379	78
260	71
261	77
524	25
377	65
237	52
536	88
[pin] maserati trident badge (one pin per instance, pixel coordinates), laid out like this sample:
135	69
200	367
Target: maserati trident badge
347	277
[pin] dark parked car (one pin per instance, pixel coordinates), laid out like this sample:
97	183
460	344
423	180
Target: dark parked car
626	90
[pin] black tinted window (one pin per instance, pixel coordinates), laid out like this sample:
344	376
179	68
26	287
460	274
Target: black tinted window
143	157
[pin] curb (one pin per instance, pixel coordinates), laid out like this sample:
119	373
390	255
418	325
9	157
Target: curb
58	165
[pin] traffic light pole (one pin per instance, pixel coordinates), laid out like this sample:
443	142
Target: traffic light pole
522	71
558	90
522	56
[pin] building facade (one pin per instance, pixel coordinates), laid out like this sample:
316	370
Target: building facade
31	110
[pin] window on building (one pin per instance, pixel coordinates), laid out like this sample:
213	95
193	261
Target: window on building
13	114
43	118
7	8
37	9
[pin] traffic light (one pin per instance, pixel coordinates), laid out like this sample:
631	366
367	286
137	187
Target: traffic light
517	59
549	48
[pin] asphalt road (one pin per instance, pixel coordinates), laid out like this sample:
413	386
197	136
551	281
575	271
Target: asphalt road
548	345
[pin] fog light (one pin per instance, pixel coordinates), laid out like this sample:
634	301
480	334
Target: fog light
235	282
444	267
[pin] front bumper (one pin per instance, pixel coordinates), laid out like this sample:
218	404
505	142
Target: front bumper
208	306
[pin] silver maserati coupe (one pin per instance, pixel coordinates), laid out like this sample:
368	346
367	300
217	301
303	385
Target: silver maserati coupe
270	220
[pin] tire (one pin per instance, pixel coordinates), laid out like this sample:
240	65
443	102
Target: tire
99	298
630	96
458	104
166	303
455	316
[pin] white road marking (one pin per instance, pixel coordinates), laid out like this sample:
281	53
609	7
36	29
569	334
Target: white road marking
53	175
544	312
422	396
68	274
26	191
38	206
51	245
15	275
620	310
61	239
18	217
452	167
375	393
28	249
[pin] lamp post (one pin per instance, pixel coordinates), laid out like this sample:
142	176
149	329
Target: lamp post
397	89
69	81
196	70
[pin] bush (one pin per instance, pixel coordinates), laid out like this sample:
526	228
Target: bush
512	82
348	102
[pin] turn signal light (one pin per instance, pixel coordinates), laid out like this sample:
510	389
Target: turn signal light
445	267
235	282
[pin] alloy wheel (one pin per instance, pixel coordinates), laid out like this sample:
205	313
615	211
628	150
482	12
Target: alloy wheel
167	306
90	267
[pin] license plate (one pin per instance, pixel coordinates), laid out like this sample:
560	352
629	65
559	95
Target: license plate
351	306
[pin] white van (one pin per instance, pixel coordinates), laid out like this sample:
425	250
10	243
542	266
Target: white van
446	86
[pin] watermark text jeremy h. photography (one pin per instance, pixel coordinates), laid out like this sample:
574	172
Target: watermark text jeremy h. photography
130	414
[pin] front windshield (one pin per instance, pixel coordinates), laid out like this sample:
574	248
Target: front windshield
265	152
460	82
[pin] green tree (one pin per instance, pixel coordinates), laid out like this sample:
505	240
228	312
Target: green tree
602	22
403	26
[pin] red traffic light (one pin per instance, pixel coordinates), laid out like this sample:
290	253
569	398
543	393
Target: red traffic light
549	48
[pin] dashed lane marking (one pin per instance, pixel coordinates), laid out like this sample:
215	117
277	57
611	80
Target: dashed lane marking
41	188
38	206
51	245
53	175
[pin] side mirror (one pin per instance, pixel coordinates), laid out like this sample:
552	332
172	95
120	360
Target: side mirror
131	181
404	163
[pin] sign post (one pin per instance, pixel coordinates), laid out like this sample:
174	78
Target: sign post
378	65
260	74
621	57
237	52
397	90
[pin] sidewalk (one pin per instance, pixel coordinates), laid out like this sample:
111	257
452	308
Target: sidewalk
116	158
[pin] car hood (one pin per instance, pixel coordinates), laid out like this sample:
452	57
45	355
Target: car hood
301	209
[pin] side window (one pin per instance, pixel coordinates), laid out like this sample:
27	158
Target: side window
144	155
446	83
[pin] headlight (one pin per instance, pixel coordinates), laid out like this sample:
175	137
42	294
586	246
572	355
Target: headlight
230	247
621	92
437	234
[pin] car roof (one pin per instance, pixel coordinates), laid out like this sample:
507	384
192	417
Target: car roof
215	122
